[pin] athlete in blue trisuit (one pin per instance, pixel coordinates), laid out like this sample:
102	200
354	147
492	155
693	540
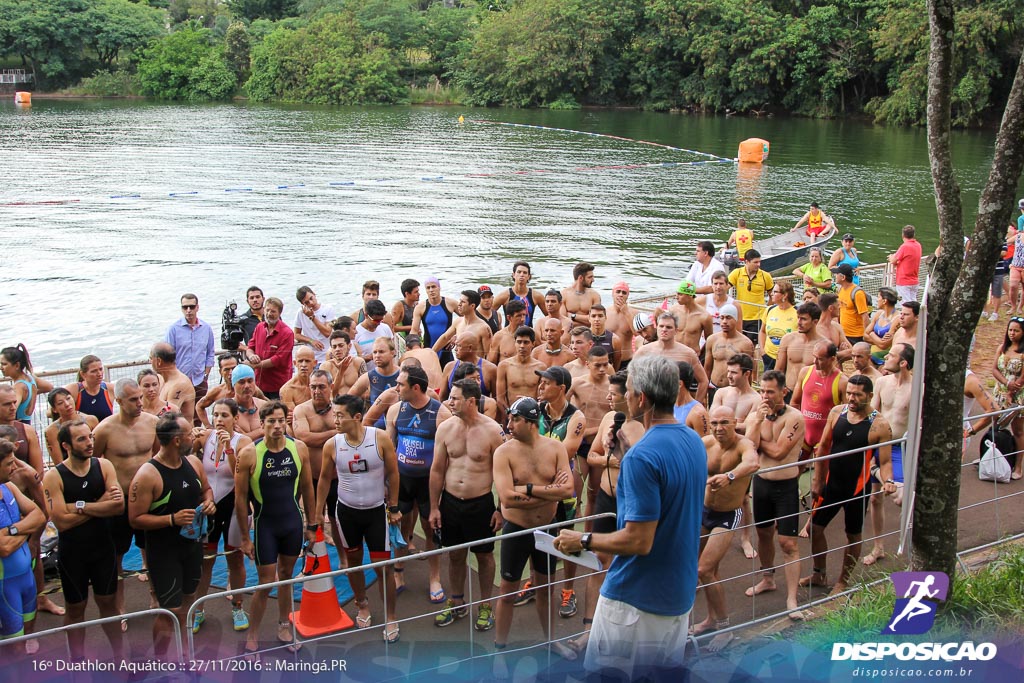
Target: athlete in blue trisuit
272	474
916	607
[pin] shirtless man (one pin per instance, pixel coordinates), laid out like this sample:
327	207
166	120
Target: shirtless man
620	321
469	324
796	351
644	330
582	340
488	406
461	503
426	357
689	410
177	388
314	425
862	365
829	327
667	346
503	344
724	345
554	351
531	475
739	396
345	368
777	432
553	310
577	299
226	364
243	379
605	337
695	324
128	440
296	389
522	292
589	393
466	351
732	460
517	375
907	333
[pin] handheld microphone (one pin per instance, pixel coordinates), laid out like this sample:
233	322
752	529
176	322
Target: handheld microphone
618	420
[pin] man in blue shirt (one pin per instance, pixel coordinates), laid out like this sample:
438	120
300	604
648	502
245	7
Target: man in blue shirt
643	614
193	343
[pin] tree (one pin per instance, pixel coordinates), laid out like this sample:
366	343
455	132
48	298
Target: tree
115	25
236	50
263	9
186	65
958	290
47	35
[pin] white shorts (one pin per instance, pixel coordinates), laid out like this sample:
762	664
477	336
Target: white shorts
906	293
624	638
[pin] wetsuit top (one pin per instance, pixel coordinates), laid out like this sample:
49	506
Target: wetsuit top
816	402
556	429
436	322
877	354
527	301
494	322
23	415
21	445
275	483
379	383
605	340
97	405
218	472
850	472
407	313
181	490
90	488
480	374
851	259
682	412
416	429
20	561
361	472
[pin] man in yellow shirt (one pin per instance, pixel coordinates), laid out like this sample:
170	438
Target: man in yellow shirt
853	304
751	284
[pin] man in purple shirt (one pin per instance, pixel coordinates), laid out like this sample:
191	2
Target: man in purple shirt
193	342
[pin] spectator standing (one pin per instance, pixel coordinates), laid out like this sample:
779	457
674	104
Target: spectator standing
907	260
193	343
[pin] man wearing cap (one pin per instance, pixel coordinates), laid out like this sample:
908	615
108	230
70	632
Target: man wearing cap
719	297
643	327
470	322
517	375
620	321
243	379
667	346
434	317
270	350
704	267
853	304
553	308
553	351
371	329
577	299
723	346
531	475
521	291
752	285
486	310
503	344
426	357
695	325
907	260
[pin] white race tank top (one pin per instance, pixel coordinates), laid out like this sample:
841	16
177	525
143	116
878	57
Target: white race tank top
360	471
219	474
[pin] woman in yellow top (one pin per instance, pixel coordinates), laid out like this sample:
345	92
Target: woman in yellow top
816	273
778	320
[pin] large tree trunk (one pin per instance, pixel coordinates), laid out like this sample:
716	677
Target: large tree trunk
959	288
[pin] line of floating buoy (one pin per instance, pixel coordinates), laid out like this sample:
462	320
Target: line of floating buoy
46	202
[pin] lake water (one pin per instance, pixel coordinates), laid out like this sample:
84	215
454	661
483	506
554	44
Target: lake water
158	199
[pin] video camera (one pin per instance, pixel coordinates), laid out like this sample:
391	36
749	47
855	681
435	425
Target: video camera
232	333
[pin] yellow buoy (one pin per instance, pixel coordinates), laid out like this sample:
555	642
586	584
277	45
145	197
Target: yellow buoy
754	150
23	98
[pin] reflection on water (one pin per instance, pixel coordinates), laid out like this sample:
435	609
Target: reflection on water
212	199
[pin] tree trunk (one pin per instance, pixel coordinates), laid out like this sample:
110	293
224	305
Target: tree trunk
958	291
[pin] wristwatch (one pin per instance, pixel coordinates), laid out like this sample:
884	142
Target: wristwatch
392	509
80	506
585	540
731	475
12	530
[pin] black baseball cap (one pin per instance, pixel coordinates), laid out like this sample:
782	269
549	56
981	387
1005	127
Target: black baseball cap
844	269
558	375
686	376
526	408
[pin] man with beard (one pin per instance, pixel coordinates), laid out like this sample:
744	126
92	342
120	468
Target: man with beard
620	321
313	425
577	299
243	379
554	351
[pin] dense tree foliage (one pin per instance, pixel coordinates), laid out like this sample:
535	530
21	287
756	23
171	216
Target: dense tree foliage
186	65
820	58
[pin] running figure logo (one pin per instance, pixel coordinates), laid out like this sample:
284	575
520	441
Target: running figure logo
921	592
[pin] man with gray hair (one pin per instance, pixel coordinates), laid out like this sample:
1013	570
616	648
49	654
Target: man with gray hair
177	387
668	347
661	496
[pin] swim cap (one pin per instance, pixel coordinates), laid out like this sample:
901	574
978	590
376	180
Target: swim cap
431	281
621	286
687	287
729	310
241	372
641	321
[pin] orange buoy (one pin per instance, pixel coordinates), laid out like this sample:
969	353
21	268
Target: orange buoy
754	150
23	98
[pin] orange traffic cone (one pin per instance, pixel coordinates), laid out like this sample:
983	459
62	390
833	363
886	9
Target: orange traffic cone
319	611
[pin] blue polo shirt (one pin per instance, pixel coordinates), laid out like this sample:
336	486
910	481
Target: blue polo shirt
194	346
662	479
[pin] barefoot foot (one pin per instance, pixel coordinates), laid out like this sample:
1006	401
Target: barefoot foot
763	586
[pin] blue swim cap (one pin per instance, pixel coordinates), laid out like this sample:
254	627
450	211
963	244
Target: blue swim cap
240	373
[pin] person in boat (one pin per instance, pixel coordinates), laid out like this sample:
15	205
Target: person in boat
817	222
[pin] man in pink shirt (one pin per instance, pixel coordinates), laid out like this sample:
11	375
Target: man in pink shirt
270	350
907	260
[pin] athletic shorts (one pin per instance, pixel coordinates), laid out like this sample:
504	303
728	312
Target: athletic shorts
907	293
174	569
332	496
370	526
81	567
584	449
515	552
414	491
777	502
835	498
897	464
18	603
123	534
223	526
729	520
277	535
464	521
604	503
751	328
854	340
769	362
